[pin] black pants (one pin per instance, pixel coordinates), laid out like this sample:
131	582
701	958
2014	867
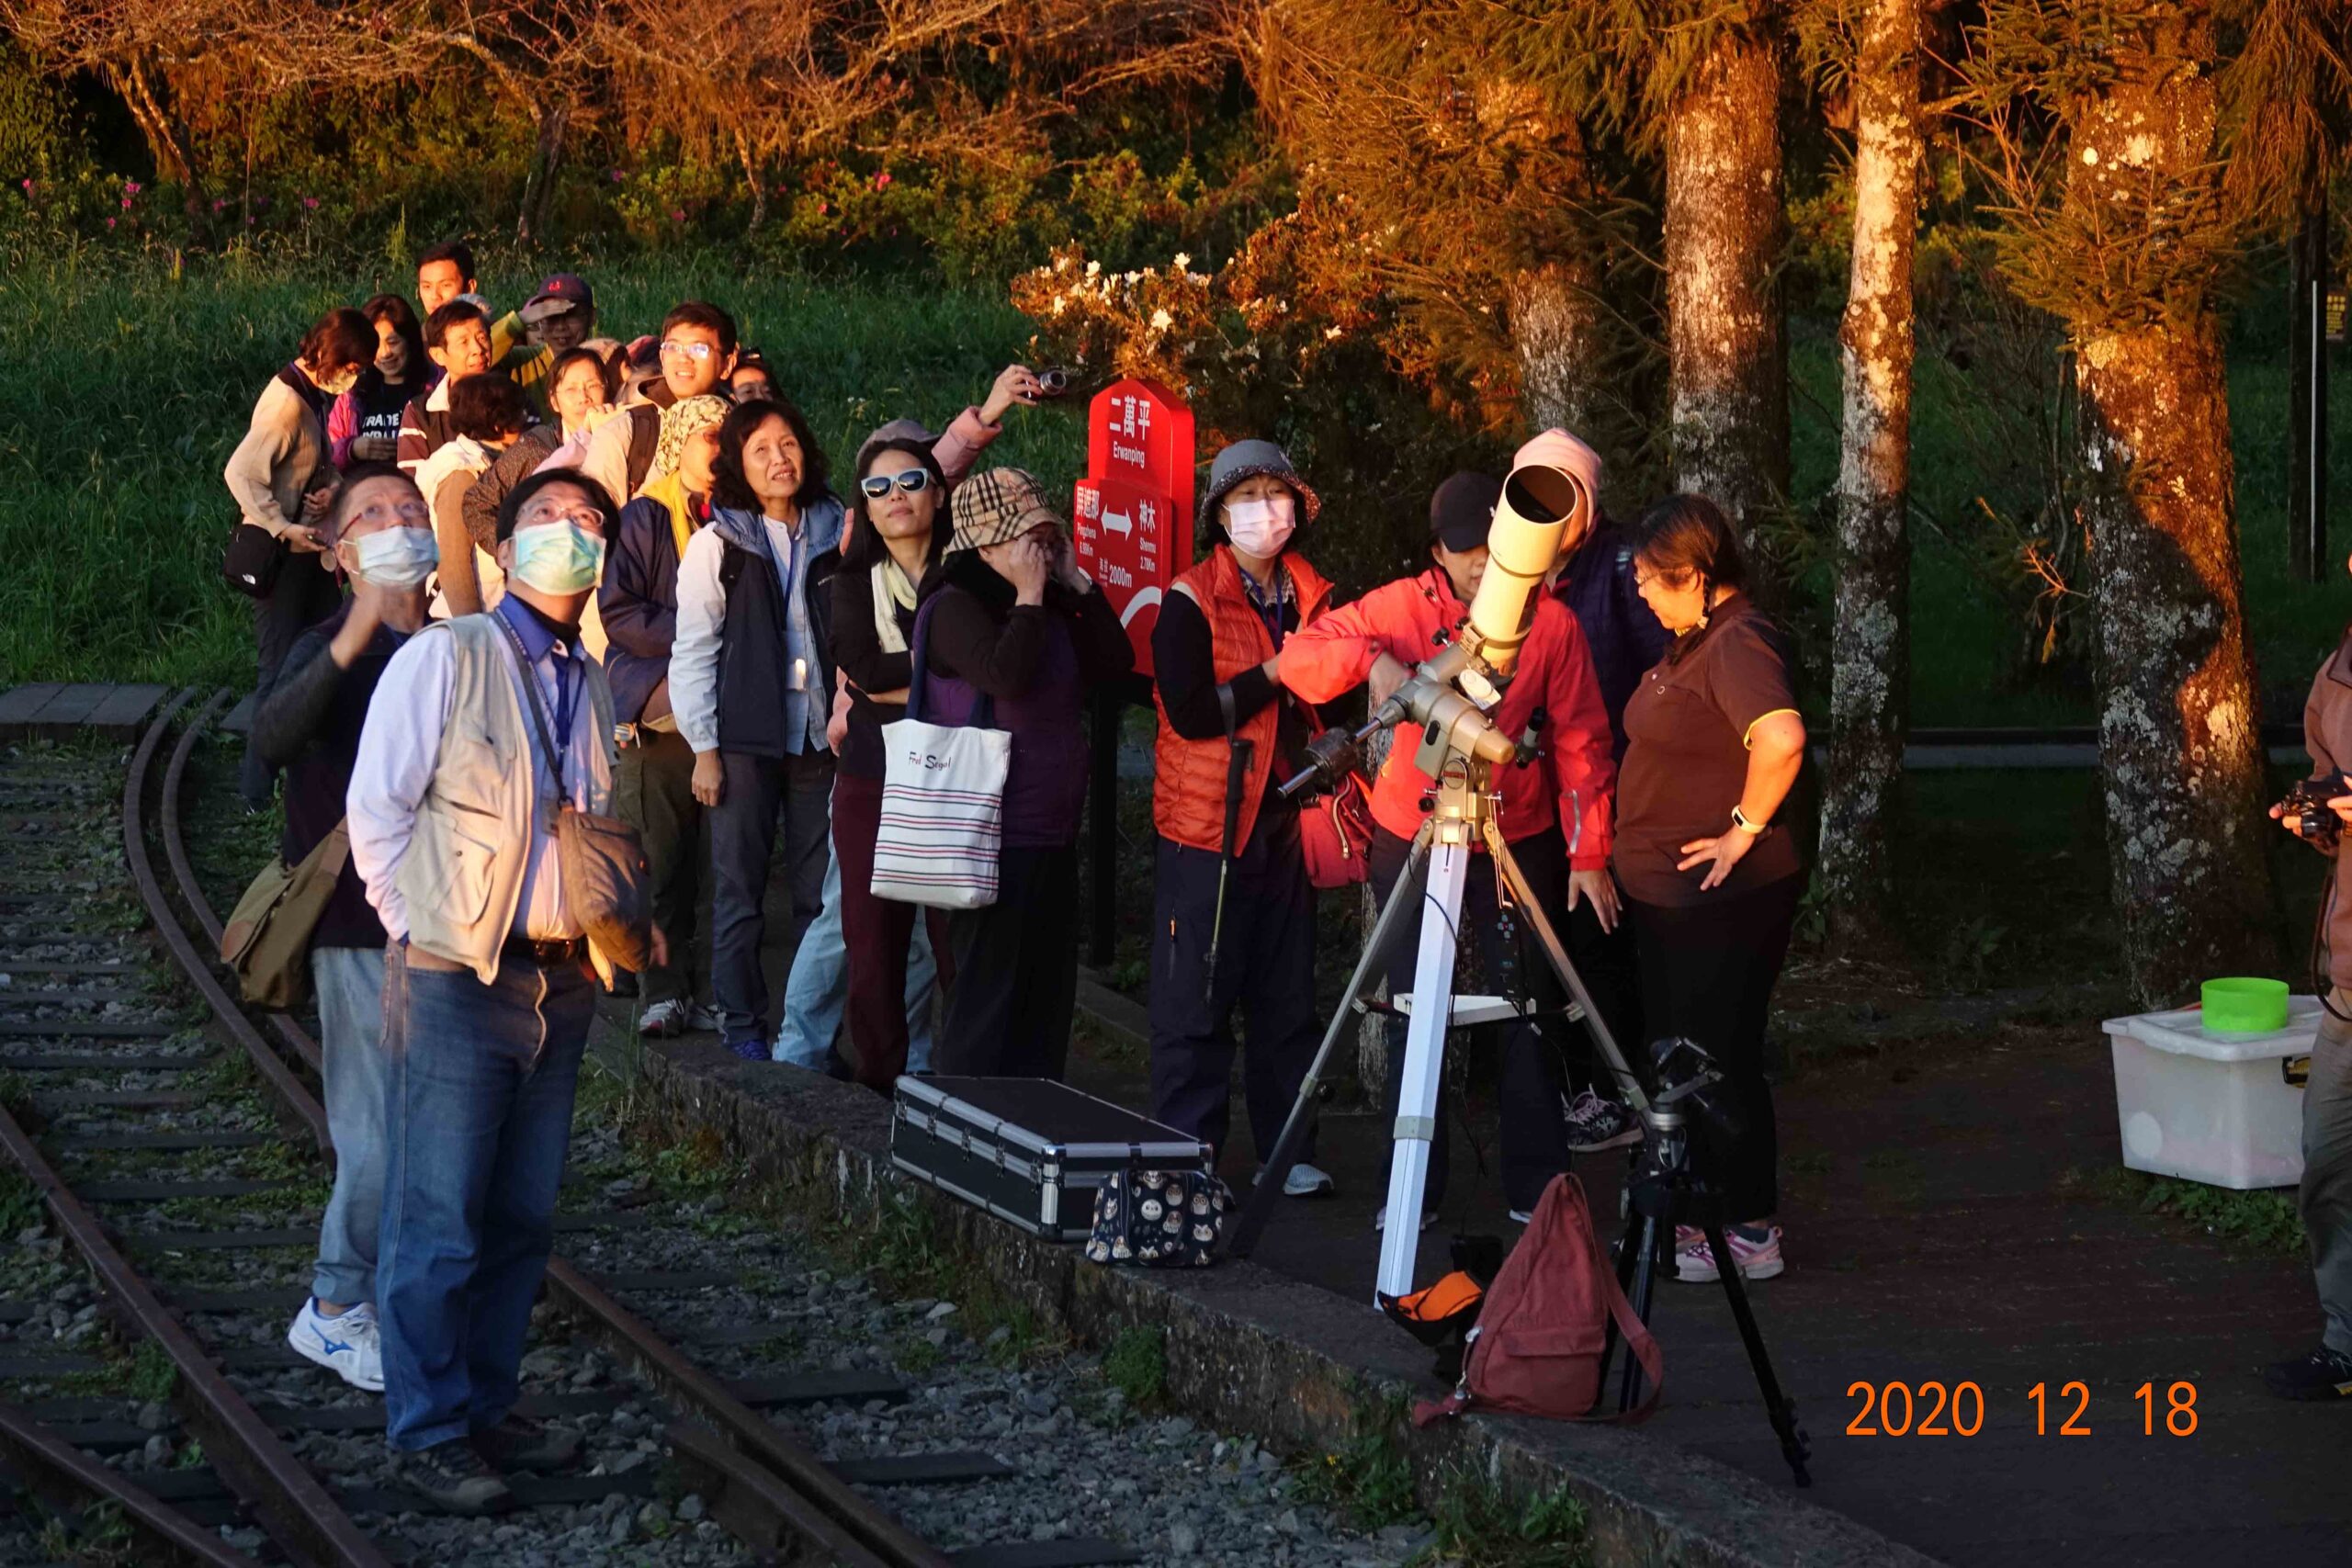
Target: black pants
1534	1129
1265	965
653	792
1708	971
1609	965
304	594
1016	972
754	792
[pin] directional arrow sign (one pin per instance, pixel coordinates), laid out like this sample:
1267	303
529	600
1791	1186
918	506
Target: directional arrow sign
1118	521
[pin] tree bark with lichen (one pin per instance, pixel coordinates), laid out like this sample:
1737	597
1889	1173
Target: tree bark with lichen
2179	721
1870	640
1728	355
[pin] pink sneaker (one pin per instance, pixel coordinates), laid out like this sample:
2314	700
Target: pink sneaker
1755	1251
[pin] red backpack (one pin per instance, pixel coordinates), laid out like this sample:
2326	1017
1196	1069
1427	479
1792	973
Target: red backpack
1536	1351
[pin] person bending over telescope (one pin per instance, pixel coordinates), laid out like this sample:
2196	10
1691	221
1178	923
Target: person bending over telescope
1473	618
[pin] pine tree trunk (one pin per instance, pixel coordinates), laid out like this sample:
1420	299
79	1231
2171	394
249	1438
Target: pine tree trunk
168	138
1725	351
546	162
751	178
1870	641
1554	318
2179	721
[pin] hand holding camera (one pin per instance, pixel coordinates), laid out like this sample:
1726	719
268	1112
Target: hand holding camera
2316	809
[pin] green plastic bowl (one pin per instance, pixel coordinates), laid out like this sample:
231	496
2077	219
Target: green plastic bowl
2244	1005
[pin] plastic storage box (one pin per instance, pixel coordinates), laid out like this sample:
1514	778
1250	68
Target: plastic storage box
2211	1106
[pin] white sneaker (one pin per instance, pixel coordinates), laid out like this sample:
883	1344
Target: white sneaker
665	1020
347	1344
1306	1181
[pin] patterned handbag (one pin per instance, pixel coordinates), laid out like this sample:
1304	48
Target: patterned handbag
1159	1219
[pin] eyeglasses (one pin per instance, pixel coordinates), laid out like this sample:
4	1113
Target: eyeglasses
680	349
580	516
913	481
405	512
1672	579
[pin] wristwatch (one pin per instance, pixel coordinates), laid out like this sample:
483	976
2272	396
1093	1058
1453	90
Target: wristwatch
1739	820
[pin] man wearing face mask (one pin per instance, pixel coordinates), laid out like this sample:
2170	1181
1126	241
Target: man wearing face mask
1228	736
482	724
381	536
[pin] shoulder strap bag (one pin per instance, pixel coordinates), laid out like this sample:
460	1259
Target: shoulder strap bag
943	801
606	880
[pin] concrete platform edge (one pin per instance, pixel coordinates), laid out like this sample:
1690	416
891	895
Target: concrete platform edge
1251	1350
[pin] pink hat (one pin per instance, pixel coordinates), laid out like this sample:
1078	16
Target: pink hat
1559	449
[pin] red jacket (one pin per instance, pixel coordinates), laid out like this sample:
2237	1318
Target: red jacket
1572	765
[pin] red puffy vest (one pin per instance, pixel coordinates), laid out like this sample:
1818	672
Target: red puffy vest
1188	790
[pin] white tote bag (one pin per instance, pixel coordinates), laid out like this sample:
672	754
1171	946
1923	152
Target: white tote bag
942	804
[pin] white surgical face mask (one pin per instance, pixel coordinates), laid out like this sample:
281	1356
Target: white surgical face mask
559	558
396	557
1260	528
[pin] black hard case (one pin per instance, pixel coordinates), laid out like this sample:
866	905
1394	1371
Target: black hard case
1028	1150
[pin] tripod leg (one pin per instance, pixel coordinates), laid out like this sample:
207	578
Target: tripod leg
1612	1055
1257	1207
1631	1246
1629	1392
1417	1104
1794	1448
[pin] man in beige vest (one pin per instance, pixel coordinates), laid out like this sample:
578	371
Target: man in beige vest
479	725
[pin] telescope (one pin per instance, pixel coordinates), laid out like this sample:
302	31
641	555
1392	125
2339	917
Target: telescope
1451	698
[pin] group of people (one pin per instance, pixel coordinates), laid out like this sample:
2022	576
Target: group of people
530	569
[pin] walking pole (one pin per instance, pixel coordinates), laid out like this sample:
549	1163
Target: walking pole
1237	775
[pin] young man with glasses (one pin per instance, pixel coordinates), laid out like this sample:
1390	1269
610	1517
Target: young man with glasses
698	355
482	726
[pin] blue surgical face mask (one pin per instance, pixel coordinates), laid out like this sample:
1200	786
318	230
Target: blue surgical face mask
559	558
395	558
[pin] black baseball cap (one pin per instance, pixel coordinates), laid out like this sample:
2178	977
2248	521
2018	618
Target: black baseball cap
562	291
1462	509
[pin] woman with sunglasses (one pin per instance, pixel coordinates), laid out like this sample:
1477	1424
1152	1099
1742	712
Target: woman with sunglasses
824	977
894	538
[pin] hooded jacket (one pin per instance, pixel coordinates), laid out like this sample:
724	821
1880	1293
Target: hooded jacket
1572	778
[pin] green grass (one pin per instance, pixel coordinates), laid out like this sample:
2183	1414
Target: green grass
129	385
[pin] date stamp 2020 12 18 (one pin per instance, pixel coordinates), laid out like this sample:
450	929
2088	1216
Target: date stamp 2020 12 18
1933	1409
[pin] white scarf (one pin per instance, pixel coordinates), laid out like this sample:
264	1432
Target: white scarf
893	591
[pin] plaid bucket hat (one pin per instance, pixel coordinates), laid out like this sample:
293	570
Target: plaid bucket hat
996	506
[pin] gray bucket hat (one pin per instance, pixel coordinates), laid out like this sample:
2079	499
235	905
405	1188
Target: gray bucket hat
1248	460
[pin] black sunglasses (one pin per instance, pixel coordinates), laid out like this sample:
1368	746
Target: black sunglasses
914	481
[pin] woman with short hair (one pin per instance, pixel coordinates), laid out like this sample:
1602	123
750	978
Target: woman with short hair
1713	743
746	685
487	412
282	479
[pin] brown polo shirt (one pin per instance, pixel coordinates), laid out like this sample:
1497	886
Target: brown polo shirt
1687	728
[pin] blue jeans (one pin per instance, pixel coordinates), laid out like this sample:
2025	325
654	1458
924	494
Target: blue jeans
350	984
819	988
479	1119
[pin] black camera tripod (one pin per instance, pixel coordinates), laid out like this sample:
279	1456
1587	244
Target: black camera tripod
1662	1191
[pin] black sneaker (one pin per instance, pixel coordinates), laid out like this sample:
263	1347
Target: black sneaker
452	1477
2317	1374
1595	1125
518	1442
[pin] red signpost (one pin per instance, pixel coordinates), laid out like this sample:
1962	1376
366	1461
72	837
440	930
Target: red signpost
1133	518
1134	509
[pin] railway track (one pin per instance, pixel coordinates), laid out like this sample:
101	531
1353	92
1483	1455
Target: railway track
181	1157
